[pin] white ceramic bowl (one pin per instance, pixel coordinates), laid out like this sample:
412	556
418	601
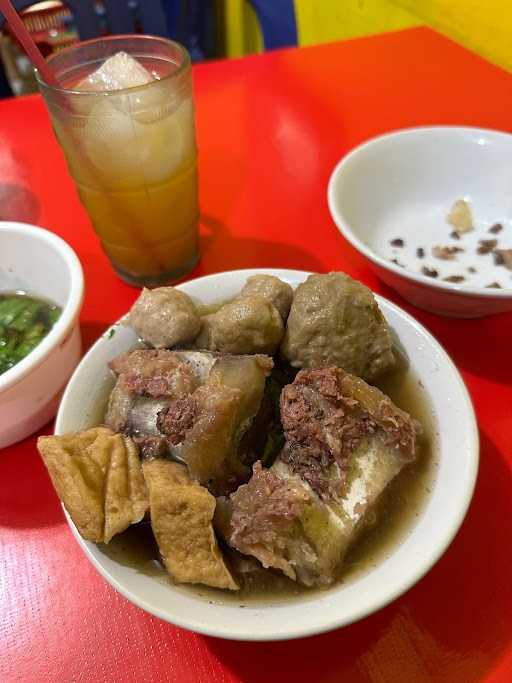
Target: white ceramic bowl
403	185
40	263
456	450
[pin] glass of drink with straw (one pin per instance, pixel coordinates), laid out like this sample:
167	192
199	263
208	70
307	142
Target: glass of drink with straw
122	111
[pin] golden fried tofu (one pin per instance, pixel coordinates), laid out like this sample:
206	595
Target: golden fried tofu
97	475
181	518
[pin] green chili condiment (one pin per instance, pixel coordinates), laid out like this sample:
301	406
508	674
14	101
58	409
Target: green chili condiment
24	322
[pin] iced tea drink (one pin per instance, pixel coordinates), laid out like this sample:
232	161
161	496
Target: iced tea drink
124	118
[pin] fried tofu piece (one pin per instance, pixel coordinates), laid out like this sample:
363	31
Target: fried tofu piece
97	475
181	518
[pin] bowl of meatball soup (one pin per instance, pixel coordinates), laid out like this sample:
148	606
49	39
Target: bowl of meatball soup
279	441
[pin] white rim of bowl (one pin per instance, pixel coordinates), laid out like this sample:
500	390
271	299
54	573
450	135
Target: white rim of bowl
300	631
344	228
67	318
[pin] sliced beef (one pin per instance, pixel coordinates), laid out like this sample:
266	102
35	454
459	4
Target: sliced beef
154	373
148	382
266	518
345	441
197	407
337	410
151	447
177	418
226	406
312	464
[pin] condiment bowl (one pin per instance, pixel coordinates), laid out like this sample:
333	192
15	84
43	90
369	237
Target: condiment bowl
455	454
41	264
390	198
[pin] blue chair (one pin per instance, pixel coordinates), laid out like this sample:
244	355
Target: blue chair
277	22
128	16
191	23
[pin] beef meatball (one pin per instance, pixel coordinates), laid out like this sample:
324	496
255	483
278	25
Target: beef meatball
270	287
335	320
250	324
164	317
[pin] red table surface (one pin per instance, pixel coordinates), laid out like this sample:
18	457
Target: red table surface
270	130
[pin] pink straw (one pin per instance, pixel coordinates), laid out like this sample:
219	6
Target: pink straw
20	31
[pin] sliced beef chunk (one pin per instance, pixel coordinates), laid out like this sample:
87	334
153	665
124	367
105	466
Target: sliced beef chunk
147	381
338	409
177	418
195	406
265	518
159	373
226	406
312	464
326	414
345	441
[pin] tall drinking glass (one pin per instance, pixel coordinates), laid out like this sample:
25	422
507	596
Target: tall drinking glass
132	155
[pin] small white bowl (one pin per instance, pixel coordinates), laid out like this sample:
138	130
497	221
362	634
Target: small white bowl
40	263
455	450
403	185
